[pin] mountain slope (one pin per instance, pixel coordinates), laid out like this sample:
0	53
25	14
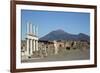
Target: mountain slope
62	35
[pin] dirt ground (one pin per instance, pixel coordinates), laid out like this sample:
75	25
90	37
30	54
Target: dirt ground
63	55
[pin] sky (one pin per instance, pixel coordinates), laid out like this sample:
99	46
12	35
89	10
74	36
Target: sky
47	21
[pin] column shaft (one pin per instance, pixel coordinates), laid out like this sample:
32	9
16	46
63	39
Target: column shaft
31	51
27	28
34	44
27	47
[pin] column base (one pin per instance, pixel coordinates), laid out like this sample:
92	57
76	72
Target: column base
29	57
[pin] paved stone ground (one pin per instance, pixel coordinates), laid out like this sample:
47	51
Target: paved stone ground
63	55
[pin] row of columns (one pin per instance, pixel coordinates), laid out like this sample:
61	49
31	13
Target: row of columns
32	40
32	46
32	29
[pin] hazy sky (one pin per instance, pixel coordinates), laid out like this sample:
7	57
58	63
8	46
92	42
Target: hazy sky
47	21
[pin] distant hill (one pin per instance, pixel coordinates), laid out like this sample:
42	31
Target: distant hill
62	35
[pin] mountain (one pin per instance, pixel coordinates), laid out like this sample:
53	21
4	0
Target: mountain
62	35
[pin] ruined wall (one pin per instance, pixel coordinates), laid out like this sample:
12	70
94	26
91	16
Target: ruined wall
48	49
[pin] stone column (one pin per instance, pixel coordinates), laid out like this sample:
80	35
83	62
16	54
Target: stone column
27	28
31	51
56	48
36	45
27	47
34	29
31	28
